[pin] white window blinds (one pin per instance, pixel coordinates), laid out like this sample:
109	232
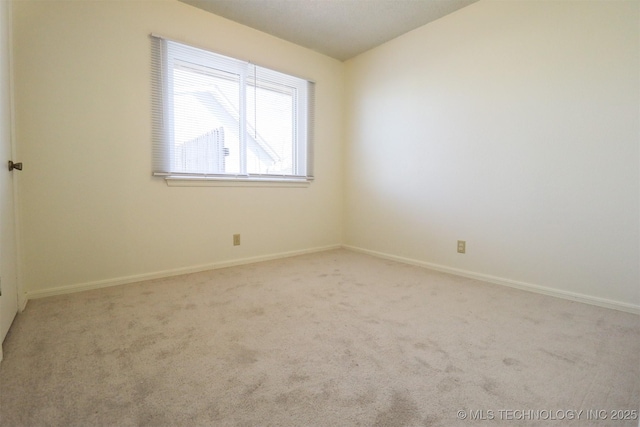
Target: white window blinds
216	116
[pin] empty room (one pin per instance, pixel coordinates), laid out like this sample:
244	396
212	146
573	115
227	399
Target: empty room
320	212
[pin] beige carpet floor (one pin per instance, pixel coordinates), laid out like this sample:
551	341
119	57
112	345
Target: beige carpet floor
329	339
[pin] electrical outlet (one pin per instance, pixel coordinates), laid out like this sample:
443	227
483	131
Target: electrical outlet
462	246
236	240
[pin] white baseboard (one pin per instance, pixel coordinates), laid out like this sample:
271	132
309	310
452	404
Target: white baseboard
573	296
168	273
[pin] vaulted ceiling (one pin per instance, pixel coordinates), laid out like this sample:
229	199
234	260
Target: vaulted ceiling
341	29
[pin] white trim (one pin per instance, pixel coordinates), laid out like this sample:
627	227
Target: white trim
79	287
573	296
22	295
195	181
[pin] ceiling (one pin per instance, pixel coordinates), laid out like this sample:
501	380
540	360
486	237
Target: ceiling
341	29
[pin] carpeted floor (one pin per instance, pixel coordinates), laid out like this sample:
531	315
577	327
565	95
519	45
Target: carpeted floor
329	339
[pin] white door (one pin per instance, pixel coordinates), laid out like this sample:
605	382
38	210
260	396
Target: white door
8	256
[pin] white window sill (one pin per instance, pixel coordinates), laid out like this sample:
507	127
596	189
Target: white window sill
198	181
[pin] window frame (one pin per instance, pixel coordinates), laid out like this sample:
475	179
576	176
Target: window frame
167	52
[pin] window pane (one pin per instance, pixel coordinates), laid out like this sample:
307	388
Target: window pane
206	105
216	115
270	128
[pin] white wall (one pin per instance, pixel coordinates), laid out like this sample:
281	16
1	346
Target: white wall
513	126
91	211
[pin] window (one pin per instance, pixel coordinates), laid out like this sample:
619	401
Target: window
217	117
